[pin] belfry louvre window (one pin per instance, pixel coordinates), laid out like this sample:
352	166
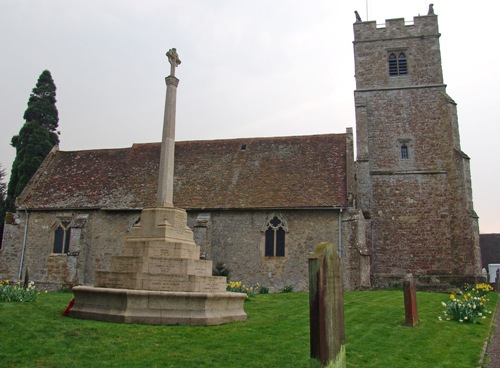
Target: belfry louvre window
275	238
397	64
62	235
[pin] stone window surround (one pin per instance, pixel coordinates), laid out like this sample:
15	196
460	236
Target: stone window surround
404	152
64	223
76	222
264	228
397	53
409	143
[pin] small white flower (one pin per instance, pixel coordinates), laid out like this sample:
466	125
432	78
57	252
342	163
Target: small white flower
460	320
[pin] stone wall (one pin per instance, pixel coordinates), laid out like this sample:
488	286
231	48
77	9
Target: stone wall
95	237
12	248
235	238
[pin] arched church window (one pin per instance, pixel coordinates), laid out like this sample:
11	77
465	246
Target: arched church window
62	235
275	237
398	64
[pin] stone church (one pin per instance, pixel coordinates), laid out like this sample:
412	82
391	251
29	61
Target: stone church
260	205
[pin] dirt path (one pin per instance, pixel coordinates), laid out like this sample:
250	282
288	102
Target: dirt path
493	349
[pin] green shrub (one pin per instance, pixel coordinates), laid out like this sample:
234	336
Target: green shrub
263	289
220	269
287	289
65	289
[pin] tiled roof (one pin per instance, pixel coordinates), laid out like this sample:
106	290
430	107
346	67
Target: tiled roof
279	172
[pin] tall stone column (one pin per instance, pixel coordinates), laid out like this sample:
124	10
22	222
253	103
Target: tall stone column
165	194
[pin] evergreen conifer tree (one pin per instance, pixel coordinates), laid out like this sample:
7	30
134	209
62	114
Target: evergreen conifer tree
42	103
36	138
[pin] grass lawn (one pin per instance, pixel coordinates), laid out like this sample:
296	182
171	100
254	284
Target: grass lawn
275	335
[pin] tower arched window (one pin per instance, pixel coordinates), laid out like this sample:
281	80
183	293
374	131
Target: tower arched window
398	64
274	233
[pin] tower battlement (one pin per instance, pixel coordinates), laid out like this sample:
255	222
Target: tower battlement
426	25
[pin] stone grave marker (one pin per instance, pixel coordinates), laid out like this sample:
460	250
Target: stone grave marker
410	300
326	308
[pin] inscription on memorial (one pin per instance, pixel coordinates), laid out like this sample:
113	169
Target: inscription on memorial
165	266
166	285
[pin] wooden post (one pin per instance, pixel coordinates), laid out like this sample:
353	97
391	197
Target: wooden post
410	298
326	308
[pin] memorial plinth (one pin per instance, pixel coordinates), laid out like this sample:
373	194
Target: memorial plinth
159	279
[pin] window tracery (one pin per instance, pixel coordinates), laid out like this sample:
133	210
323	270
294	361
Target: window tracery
274	231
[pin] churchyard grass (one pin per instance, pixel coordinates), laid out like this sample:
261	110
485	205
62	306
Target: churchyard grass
275	335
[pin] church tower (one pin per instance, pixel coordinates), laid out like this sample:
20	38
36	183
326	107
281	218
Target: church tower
413	181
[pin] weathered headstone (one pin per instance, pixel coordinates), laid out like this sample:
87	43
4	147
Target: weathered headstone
410	299
326	308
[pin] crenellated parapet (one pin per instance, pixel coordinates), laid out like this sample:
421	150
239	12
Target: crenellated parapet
422	26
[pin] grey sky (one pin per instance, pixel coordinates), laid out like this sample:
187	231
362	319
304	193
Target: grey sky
249	68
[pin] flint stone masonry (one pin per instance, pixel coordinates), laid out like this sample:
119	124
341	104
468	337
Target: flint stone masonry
233	237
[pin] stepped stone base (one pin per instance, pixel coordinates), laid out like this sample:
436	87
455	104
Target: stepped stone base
159	279
157	307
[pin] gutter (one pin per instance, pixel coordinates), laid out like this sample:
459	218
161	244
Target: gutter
25	237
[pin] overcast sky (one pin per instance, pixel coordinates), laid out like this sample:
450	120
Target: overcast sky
249	69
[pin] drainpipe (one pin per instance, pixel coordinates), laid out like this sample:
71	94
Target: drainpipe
340	232
24	244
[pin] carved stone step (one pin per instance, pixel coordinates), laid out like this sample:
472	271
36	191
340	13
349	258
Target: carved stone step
161	248
162	266
147	281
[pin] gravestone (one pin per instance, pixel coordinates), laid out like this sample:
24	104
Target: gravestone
326	308
410	300
160	278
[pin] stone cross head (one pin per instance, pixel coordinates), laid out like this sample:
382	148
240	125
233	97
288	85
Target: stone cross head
173	59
